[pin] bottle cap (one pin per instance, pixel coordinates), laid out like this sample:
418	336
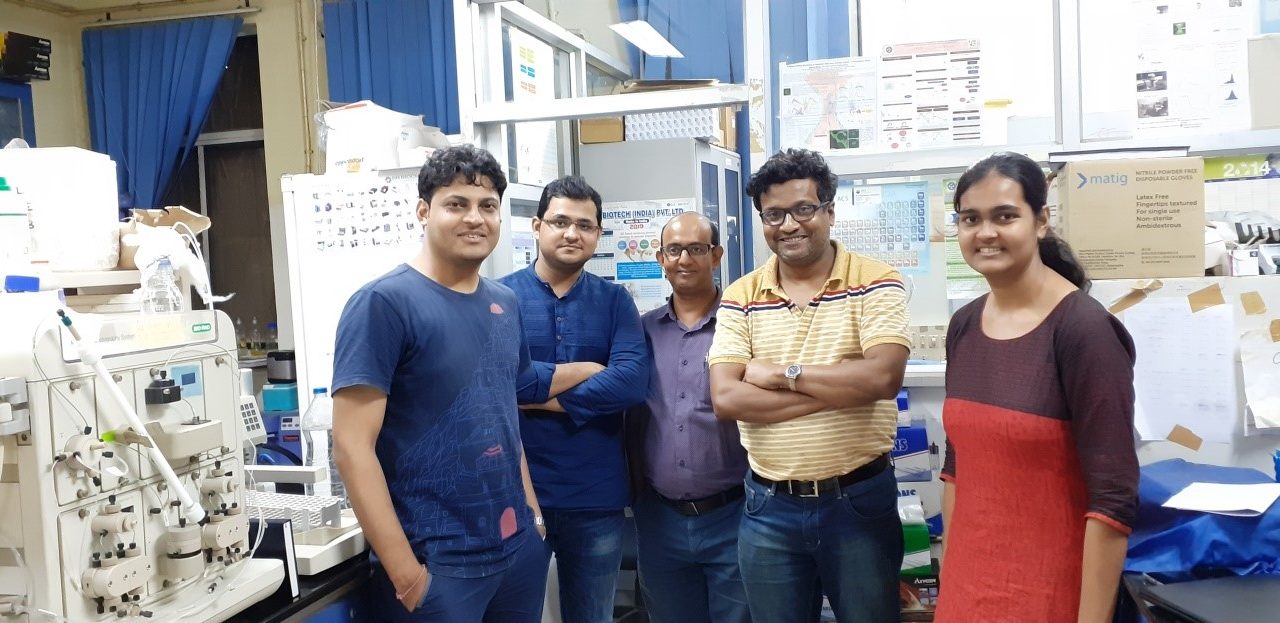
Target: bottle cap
320	390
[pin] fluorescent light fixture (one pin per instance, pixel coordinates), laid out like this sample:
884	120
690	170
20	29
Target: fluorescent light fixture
642	35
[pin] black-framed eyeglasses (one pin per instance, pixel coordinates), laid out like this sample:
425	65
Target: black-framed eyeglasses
697	249
563	224
800	214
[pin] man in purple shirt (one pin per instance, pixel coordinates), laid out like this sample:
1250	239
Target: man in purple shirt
688	466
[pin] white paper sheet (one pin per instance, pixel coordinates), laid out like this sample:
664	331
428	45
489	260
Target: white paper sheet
1260	358
1185	372
1234	500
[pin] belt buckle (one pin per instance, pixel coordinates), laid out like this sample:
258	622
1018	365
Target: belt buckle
817	491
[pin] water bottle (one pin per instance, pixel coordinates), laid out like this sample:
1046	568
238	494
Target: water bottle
273	337
161	294
317	435
255	340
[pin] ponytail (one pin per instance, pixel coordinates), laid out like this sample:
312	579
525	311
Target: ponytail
1057	255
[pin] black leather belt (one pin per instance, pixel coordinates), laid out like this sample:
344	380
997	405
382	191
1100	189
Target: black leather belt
815	488
702	506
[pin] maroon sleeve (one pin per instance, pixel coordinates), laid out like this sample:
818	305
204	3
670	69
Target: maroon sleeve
1095	357
949	463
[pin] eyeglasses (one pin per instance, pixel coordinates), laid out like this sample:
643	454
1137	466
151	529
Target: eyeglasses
697	249
800	214
563	224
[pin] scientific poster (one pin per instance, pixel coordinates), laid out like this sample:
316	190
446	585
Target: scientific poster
930	95
828	106
533	79
888	222
1192	67
629	247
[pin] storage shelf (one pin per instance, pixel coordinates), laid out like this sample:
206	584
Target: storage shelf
97	278
925	375
611	105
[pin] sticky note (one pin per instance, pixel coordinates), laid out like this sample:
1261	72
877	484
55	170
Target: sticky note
1136	295
1253	304
1183	436
1205	298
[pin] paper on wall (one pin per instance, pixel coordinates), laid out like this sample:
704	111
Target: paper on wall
533	79
1185	371
828	105
1260	358
887	222
629	246
1192	67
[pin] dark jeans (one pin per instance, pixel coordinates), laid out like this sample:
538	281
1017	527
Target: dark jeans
689	565
851	538
588	549
514	595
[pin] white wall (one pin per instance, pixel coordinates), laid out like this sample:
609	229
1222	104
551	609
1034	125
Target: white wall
59	102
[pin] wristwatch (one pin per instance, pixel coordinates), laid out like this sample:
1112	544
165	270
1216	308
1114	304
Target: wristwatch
792	373
538	521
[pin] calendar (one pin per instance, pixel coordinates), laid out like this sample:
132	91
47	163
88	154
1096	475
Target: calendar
887	222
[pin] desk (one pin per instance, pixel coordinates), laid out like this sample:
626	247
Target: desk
1248	599
315	593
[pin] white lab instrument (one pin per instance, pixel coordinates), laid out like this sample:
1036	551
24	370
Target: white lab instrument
122	485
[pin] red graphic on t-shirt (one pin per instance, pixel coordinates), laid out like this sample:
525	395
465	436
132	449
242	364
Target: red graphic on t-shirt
493	451
495	308
507	526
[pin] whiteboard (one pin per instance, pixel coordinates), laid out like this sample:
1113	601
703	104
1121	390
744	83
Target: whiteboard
342	231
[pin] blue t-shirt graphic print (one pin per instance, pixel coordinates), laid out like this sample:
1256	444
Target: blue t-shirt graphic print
450	442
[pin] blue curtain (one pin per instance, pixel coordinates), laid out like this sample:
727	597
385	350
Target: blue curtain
149	88
398	53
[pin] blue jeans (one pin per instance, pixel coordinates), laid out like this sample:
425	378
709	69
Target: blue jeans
850	538
588	549
689	565
514	595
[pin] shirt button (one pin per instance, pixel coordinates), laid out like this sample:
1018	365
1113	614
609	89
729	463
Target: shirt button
684	362
681	463
681	395
680	428
558	338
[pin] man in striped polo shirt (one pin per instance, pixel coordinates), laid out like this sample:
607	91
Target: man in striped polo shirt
808	355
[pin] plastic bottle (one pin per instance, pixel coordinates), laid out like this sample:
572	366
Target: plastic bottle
273	337
242	347
317	437
254	340
161	294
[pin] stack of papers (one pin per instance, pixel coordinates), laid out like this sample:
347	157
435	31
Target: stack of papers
1233	500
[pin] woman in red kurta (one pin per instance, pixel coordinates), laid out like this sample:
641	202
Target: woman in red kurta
1041	472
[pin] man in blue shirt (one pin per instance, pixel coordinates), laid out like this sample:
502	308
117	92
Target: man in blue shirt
426	431
690	464
590	363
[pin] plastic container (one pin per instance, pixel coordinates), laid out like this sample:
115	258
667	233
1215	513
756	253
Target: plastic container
317	439
272	341
160	294
15	232
255	341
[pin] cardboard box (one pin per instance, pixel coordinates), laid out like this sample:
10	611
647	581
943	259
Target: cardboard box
367	137
1133	219
918	595
601	130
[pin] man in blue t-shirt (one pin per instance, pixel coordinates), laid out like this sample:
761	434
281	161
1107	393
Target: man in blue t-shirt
590	363
426	430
